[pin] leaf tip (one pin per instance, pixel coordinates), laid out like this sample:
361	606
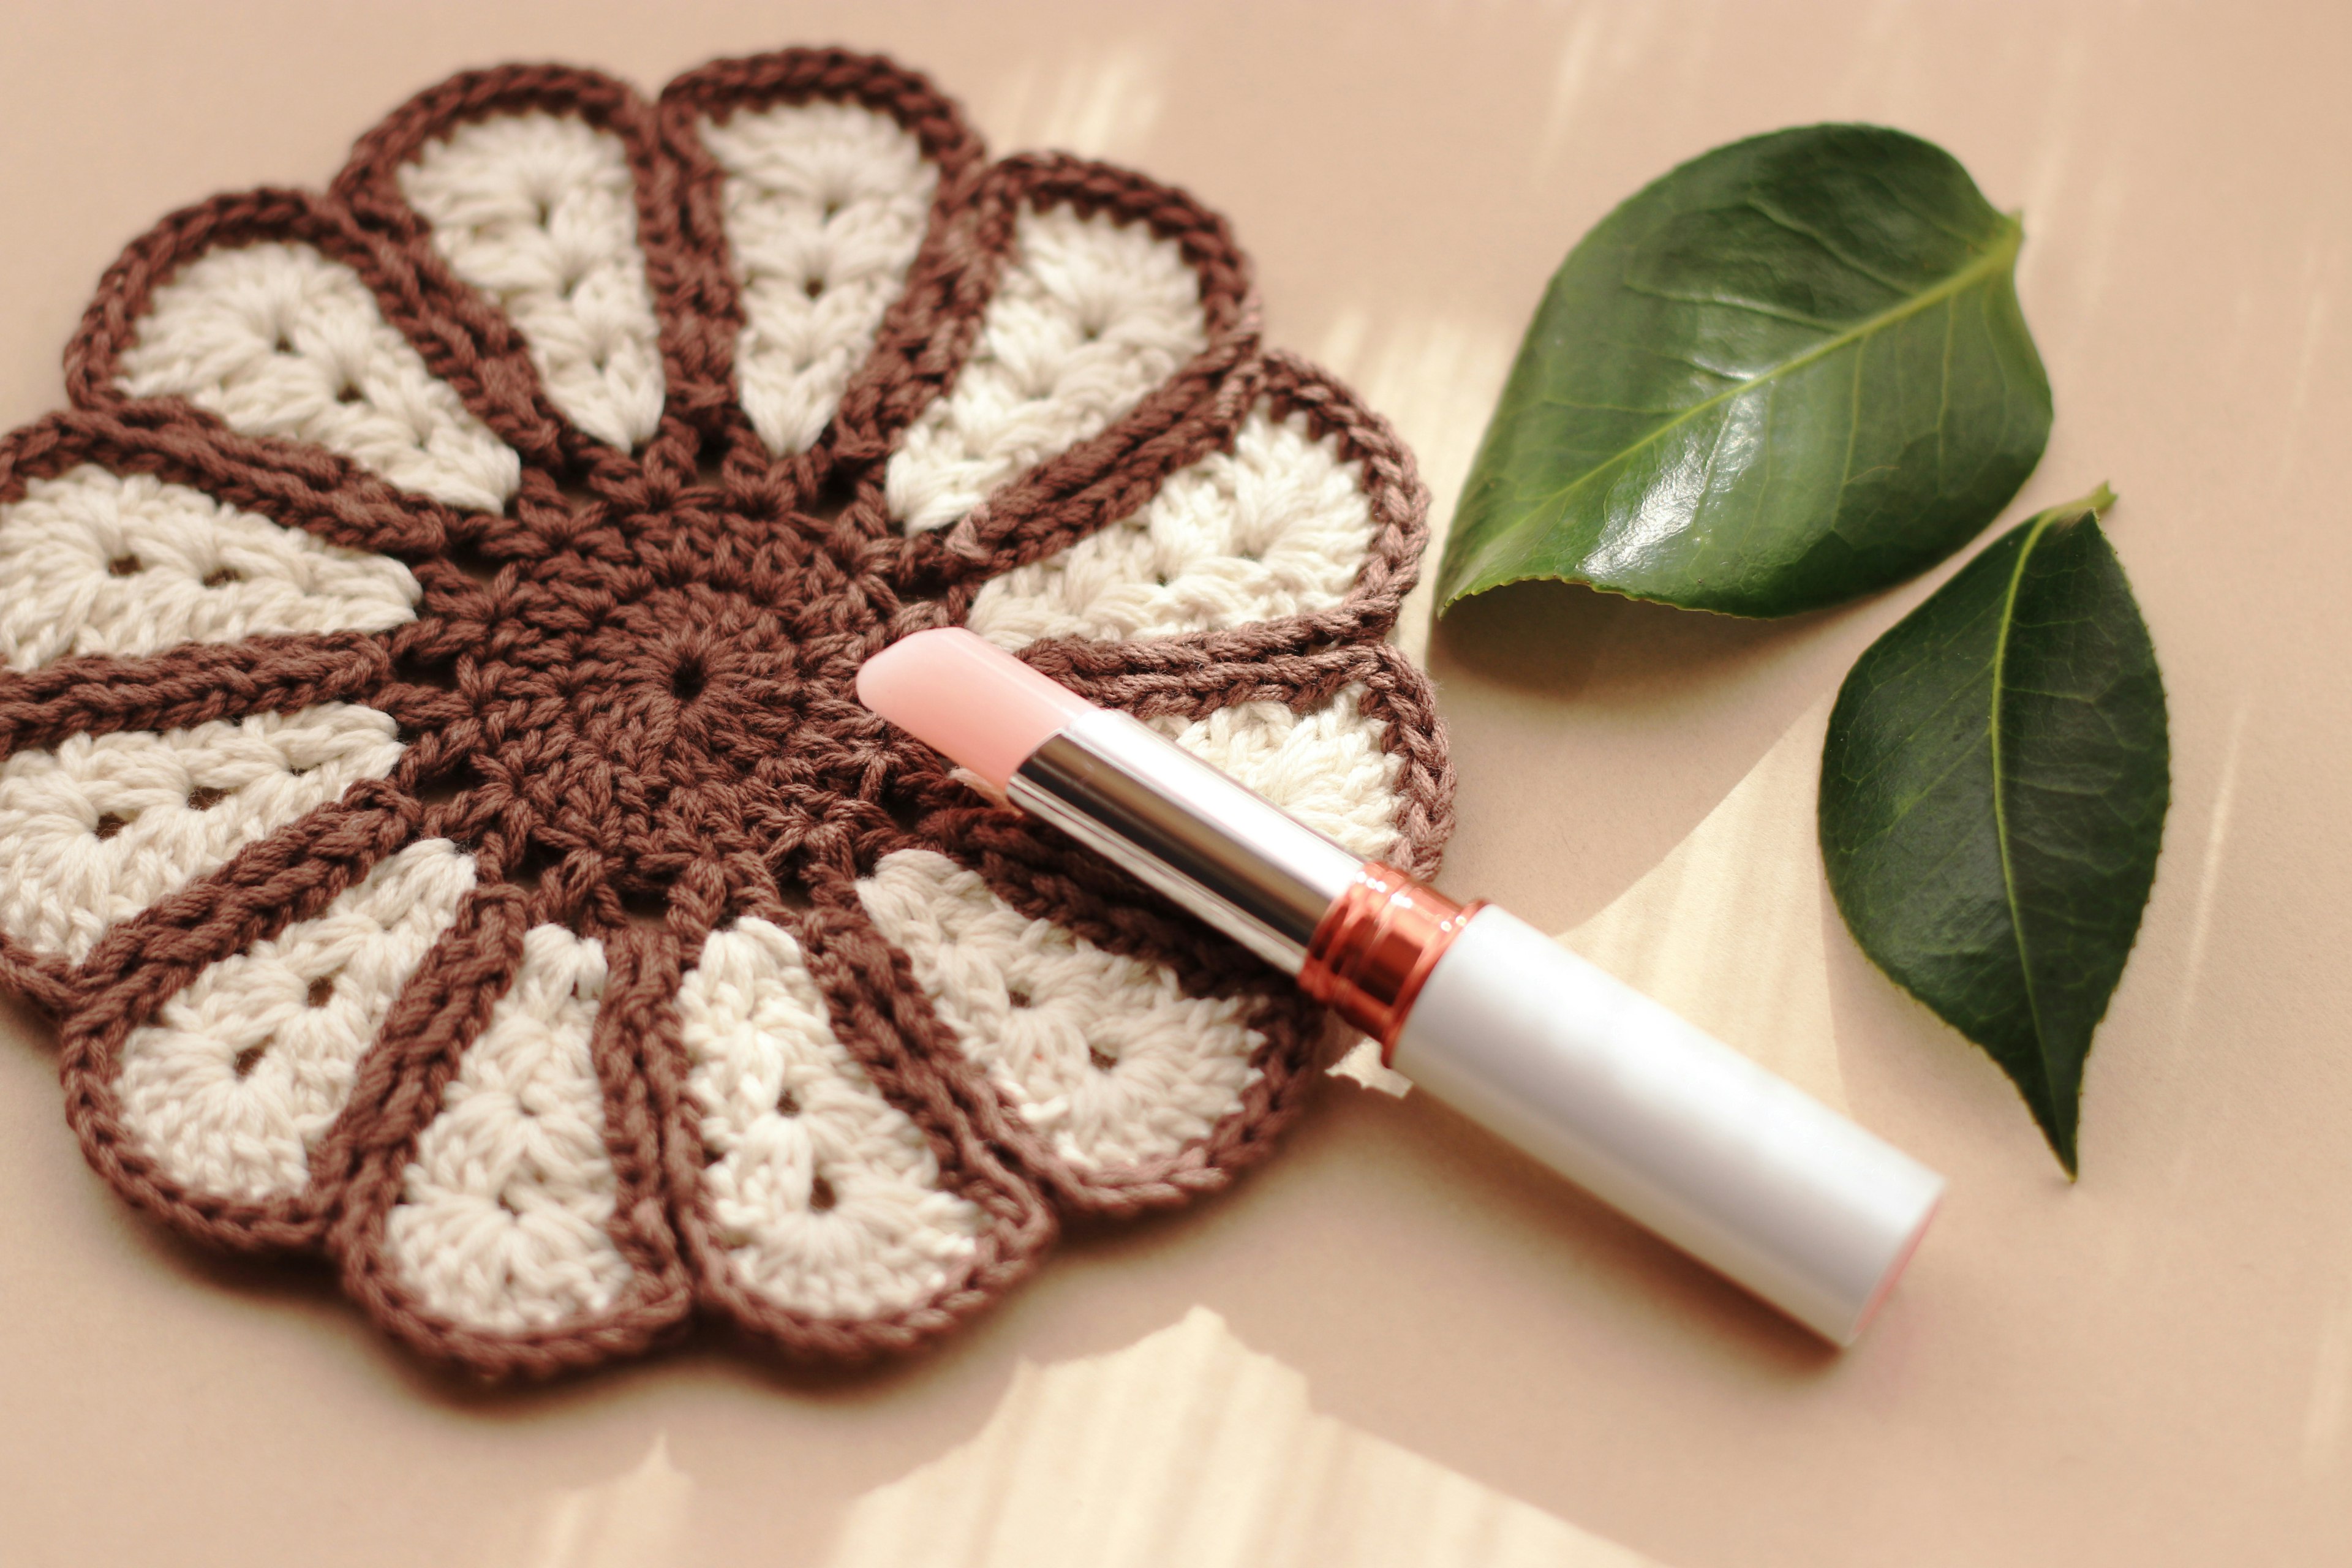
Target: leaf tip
2060	1133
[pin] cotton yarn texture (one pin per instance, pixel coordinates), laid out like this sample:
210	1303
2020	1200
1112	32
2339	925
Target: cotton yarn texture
432	799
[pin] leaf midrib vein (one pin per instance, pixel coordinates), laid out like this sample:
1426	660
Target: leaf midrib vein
2003	250
2000	802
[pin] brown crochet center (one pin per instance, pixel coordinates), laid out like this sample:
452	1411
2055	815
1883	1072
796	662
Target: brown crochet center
630	694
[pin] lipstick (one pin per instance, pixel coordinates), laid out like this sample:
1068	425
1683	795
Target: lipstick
1677	1130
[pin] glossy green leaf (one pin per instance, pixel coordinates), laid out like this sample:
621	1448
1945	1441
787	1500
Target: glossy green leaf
1791	372
1994	795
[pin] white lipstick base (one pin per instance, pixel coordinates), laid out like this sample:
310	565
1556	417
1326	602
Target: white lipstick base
1746	1173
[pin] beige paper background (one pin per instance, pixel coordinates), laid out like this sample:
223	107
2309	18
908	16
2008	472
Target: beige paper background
1188	1449
2153	1366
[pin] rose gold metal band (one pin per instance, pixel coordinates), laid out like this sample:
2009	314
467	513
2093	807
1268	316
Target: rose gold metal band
1376	945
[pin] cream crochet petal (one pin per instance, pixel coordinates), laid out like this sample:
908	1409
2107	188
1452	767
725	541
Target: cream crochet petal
1277	526
231	1085
1103	1056
501	1223
99	828
1326	766
537	212
826	205
127	564
280	340
826	1198
1091	314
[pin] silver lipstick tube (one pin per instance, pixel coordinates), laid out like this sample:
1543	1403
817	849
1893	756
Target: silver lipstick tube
1182	828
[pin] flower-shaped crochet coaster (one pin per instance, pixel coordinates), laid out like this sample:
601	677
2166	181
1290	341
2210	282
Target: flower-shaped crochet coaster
435	803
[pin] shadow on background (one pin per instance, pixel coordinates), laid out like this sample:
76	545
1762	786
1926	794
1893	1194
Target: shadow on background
1564	639
1380	1169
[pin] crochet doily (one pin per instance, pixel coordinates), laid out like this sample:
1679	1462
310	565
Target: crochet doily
434	806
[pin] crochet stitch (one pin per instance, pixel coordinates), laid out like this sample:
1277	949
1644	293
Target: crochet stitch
433	797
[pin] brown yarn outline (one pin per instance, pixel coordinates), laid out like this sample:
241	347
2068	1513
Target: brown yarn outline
936	1089
1173	425
457	989
304	487
710	309
98	694
1287	386
512	400
579	494
491	374
276	882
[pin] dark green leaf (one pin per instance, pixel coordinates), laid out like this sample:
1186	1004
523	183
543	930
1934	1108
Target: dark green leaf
1994	795
1791	372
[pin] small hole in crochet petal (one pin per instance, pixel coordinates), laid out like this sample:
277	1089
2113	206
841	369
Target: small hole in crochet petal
204	797
831	208
125	566
108	824
248	1060
322	991
822	1197
348	392
1018	995
281	342
221	576
788	1103
1102	1060
686	682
